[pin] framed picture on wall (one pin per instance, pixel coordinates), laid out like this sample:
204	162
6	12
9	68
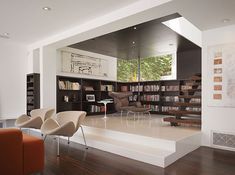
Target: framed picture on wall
221	60
90	97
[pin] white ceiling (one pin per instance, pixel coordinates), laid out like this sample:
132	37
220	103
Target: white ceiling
206	14
27	22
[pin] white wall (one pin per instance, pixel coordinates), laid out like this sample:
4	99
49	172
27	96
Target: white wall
112	64
50	66
33	61
215	118
47	77
13	68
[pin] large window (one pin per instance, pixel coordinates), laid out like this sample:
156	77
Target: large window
127	70
151	68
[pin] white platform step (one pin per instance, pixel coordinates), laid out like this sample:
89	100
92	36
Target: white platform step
154	151
142	153
132	138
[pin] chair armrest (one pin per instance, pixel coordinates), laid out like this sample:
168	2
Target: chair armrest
35	122
68	129
22	119
49	125
52	127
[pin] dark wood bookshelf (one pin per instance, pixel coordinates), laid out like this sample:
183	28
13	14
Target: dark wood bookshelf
76	98
32	92
164	97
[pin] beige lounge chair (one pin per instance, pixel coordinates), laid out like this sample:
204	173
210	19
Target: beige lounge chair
36	118
65	124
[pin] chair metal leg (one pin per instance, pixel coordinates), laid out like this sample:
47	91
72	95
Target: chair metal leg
58	146
149	114
45	138
84	137
68	141
127	115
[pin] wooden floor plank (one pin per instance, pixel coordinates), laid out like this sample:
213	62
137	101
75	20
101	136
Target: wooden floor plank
76	160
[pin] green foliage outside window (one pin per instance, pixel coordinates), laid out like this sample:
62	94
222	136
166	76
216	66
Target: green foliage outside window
152	68
127	70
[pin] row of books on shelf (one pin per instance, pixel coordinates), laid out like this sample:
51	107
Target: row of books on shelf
152	107
30	80
68	85
136	88
170	98
149	88
30	99
156	88
164	98
95	108
195	100
169	108
194	109
150	98
29	92
30	107
107	88
133	98
170	88
186	87
30	88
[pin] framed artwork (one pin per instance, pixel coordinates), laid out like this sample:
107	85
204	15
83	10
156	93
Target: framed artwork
221	74
90	97
83	64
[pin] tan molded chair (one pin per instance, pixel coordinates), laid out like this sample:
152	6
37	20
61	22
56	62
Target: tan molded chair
65	124
36	118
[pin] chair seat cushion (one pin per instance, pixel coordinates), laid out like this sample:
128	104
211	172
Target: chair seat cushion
33	154
139	109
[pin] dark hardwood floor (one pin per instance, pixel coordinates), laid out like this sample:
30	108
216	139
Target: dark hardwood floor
76	160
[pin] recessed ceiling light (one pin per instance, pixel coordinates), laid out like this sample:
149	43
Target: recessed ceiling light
5	35
134	28
225	20
171	44
46	8
133	42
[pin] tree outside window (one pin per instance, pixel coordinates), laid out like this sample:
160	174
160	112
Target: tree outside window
151	68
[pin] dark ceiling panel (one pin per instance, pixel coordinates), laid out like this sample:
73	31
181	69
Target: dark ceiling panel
144	40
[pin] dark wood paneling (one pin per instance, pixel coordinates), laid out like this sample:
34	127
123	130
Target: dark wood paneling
188	63
151	38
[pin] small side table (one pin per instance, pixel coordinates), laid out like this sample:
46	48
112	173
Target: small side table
105	102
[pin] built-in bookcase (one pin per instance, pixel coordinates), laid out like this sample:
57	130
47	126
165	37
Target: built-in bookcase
168	97
32	92
162	97
83	94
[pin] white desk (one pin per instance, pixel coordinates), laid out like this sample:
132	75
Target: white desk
105	102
